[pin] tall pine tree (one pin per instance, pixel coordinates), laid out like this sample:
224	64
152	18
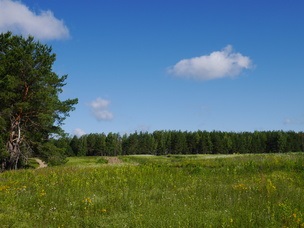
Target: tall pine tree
30	108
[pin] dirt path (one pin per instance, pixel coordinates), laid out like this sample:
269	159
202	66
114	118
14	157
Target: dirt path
113	160
41	163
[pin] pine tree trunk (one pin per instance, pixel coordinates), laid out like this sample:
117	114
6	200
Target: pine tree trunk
13	145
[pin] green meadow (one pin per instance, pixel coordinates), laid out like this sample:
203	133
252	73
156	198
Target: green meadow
261	190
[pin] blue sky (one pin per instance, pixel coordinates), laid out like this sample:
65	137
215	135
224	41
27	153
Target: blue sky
143	65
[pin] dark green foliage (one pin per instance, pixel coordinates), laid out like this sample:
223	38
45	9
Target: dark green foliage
218	143
30	109
160	139
101	160
113	145
80	146
178	142
91	144
146	143
64	143
130	144
3	152
52	154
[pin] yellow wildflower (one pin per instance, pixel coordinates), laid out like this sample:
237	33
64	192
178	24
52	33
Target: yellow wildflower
42	193
3	188
87	201
240	187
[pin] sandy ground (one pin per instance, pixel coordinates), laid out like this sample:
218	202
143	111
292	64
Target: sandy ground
41	163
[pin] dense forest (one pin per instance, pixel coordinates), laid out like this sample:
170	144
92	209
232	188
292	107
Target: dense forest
182	142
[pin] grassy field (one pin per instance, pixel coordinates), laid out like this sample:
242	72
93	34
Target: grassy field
158	191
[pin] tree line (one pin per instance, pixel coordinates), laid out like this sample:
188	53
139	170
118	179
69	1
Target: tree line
32	114
182	142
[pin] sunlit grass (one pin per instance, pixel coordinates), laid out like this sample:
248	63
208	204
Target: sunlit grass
86	161
32	164
159	191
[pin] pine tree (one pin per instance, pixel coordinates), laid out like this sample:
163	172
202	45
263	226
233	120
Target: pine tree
30	109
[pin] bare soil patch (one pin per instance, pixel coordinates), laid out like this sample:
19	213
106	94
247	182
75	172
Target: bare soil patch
41	163
113	160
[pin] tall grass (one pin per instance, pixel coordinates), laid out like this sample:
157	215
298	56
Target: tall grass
173	191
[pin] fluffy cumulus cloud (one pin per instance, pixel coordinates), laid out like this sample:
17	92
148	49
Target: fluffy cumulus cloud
218	64
18	18
79	132
100	109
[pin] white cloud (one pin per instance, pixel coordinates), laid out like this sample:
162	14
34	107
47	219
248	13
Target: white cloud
218	64
100	110
79	132
294	121
287	121
18	18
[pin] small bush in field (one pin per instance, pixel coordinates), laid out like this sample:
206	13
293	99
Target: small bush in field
101	160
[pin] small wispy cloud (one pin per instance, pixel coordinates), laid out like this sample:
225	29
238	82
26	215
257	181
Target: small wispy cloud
18	18
218	64
100	109
79	132
294	121
287	121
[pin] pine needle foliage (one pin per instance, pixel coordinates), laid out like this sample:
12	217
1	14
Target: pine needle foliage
30	108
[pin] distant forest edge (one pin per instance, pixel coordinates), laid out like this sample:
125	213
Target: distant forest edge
182	142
